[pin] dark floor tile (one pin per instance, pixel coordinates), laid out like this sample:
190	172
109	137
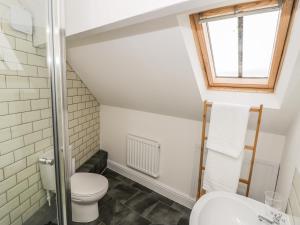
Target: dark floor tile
103	200
162	198
122	192
141	187
87	168
114	178
182	209
95	222
183	221
112	212
43	216
50	223
164	214
54	220
125	180
134	218
113	182
141	202
110	173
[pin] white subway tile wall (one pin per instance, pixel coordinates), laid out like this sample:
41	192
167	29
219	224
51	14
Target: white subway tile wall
84	121
26	125
21	125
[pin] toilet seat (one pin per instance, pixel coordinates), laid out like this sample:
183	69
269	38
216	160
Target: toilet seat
86	190
88	186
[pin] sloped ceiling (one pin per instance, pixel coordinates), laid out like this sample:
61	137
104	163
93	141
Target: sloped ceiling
146	67
142	67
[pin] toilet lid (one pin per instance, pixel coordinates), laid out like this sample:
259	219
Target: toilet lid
87	184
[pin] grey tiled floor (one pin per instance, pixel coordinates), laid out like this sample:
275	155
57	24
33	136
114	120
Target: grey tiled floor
128	203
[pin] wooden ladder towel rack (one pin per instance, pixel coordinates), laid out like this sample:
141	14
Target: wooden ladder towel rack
252	148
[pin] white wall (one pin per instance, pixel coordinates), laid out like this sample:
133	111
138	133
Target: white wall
179	139
290	158
180	144
95	16
84	15
132	72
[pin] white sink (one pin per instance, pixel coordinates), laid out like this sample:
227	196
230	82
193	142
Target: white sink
222	208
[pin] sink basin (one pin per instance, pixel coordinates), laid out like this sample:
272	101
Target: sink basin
225	208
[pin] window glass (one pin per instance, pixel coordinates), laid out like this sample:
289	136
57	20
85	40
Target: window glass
223	36
259	34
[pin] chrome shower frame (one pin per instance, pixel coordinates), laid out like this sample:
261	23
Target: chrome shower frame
56	61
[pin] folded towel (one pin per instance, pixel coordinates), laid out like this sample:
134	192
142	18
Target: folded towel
227	128
222	172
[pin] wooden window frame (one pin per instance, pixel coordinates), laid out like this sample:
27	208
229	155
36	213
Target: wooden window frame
242	84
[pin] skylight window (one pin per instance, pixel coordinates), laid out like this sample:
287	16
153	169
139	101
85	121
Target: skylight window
221	32
241	46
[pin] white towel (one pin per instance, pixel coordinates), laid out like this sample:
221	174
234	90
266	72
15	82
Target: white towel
227	128
222	172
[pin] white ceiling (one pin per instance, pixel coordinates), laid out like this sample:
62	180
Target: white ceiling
147	67
143	67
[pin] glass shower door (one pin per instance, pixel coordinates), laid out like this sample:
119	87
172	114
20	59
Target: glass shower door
34	186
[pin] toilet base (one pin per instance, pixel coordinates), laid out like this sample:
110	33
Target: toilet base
84	213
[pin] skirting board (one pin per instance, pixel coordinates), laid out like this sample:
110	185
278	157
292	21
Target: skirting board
152	184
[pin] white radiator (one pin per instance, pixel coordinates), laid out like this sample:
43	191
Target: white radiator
143	155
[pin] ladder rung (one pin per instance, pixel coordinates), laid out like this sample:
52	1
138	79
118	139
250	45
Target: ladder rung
244	181
247	147
252	109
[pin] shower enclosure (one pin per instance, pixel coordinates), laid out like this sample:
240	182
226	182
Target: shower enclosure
33	113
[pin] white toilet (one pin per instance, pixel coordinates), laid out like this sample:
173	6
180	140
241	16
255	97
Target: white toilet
86	189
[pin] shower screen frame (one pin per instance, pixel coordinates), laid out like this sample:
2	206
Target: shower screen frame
56	61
